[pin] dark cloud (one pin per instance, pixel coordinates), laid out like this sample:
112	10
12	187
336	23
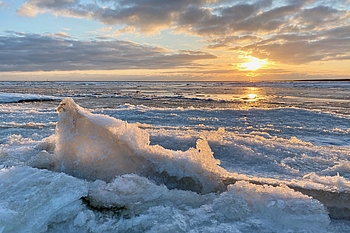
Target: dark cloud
146	15
298	49
291	31
54	3
33	52
239	12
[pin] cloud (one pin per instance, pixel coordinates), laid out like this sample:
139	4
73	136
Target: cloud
3	4
289	31
68	8
106	29
28	10
298	49
59	35
33	52
147	16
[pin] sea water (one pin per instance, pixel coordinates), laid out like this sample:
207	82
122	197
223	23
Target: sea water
174	156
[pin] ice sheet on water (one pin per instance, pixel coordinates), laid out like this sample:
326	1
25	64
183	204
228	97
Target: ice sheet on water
327	183
341	168
134	202
18	97
96	146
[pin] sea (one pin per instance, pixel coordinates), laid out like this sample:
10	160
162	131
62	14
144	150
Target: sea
175	156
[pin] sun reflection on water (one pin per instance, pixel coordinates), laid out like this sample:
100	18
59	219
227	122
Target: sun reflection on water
251	94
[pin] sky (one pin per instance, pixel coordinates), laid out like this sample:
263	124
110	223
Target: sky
174	40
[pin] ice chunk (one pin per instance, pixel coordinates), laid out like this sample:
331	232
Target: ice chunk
43	160
30	198
282	207
131	195
94	146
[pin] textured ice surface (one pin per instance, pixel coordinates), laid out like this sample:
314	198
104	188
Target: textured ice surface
44	201
32	199
92	146
292	133
16	97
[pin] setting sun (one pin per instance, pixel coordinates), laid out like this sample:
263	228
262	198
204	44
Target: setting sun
252	63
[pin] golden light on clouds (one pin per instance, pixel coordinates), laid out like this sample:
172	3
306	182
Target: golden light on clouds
204	40
252	63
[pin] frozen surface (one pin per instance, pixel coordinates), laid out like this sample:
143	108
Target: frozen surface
44	201
152	157
16	97
32	199
100	147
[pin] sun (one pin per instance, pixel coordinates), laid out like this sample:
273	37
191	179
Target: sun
252	63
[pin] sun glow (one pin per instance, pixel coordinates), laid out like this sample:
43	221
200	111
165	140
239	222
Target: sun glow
252	96
252	63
